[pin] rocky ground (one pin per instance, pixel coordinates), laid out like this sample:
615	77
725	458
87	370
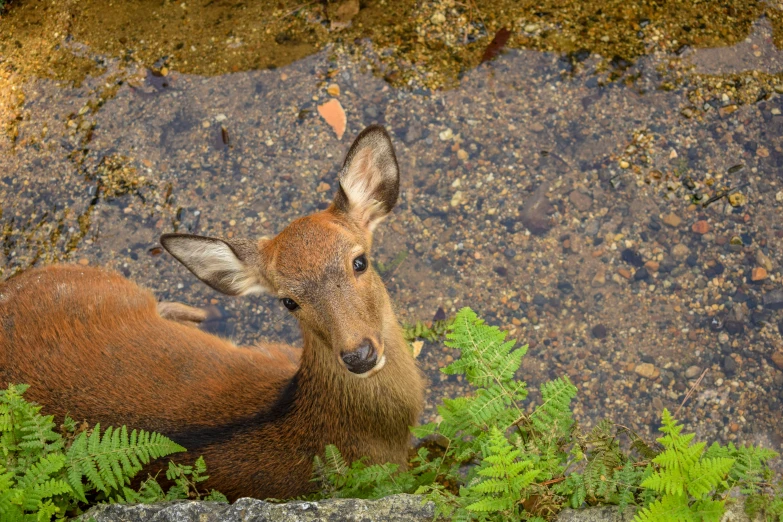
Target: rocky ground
624	219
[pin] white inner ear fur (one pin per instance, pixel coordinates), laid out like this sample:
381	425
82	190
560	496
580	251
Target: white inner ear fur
214	261
360	181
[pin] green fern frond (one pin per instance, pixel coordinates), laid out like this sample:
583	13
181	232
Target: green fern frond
671	508
554	413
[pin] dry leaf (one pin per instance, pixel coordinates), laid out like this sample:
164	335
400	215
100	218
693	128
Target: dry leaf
333	114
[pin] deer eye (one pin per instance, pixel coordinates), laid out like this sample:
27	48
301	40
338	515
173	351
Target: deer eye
289	303
360	264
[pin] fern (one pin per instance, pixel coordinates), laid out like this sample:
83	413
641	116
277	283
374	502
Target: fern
493	461
42	477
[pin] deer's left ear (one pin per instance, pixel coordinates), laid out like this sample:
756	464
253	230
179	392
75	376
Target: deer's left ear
369	179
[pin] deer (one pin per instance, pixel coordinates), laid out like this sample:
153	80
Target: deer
96	346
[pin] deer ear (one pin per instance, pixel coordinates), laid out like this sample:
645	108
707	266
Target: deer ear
231	267
369	179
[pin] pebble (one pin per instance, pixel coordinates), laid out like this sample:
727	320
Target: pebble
758	274
729	365
599	279
734	427
774	300
624	164
672	220
535	212
581	201
625	273
221	118
777	358
701	227
446	135
531	28
680	251
333	90
647	371
599	331
323	187
462	154
652	266
84	261
692	372
456	199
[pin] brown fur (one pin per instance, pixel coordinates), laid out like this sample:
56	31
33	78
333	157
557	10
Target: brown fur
92	344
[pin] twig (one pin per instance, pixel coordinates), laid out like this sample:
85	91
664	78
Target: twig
690	392
722	194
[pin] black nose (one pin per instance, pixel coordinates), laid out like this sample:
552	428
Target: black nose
362	359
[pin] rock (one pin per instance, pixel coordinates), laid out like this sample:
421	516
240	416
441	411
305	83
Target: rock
446	135
333	114
758	274
672	220
389	509
692	372
733	327
734	427
632	257
341	13
599	279
333	90
323	187
599	331
701	227
777	358
647	370
625	273
652	266
581	201
641	275
729	365
535	212
680	251
774	299
456	199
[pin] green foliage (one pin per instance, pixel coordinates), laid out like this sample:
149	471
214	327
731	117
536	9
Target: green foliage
44	474
435	332
496	458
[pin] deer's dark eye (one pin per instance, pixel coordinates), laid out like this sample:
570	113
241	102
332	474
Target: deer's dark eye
289	303
360	264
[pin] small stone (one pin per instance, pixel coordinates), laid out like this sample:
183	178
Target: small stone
692	372
462	154
641	275
456	199
416	347
647	370
221	117
652	266
774	300
736	199
536	127
777	358
599	331
333	90
438	18
624	164
778	88
446	135
84	261
632	257
758	274
323	187
625	273
728	109
762	152
729	365
531	28
581	201
672	220
701	227
599	279
733	327
680	251
734	427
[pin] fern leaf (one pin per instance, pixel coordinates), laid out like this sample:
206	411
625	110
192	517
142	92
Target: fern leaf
671	508
705	475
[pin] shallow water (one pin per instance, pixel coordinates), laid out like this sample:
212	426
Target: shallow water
540	192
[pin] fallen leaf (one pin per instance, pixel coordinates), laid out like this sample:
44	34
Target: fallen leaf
417	346
496	45
333	114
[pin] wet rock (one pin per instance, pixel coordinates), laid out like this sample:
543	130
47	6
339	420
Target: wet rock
535	212
680	251
733	327
565	287
393	508
509	253
672	220
777	359
714	269
412	134
647	370
692	372
641	275
599	331
581	201
729	365
632	257
701	227
773	300
758	274
692	260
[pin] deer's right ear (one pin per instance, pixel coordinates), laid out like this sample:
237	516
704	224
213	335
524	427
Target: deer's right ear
231	267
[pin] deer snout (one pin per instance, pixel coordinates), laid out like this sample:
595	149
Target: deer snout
363	358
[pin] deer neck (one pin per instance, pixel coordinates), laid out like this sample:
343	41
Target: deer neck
381	406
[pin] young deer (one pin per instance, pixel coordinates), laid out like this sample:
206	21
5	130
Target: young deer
93	345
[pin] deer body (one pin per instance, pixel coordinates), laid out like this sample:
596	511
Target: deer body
93	345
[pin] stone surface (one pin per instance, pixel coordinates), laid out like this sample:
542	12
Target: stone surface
647	371
777	358
774	299
402	508
535	212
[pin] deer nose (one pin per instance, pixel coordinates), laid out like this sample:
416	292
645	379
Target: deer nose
362	359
